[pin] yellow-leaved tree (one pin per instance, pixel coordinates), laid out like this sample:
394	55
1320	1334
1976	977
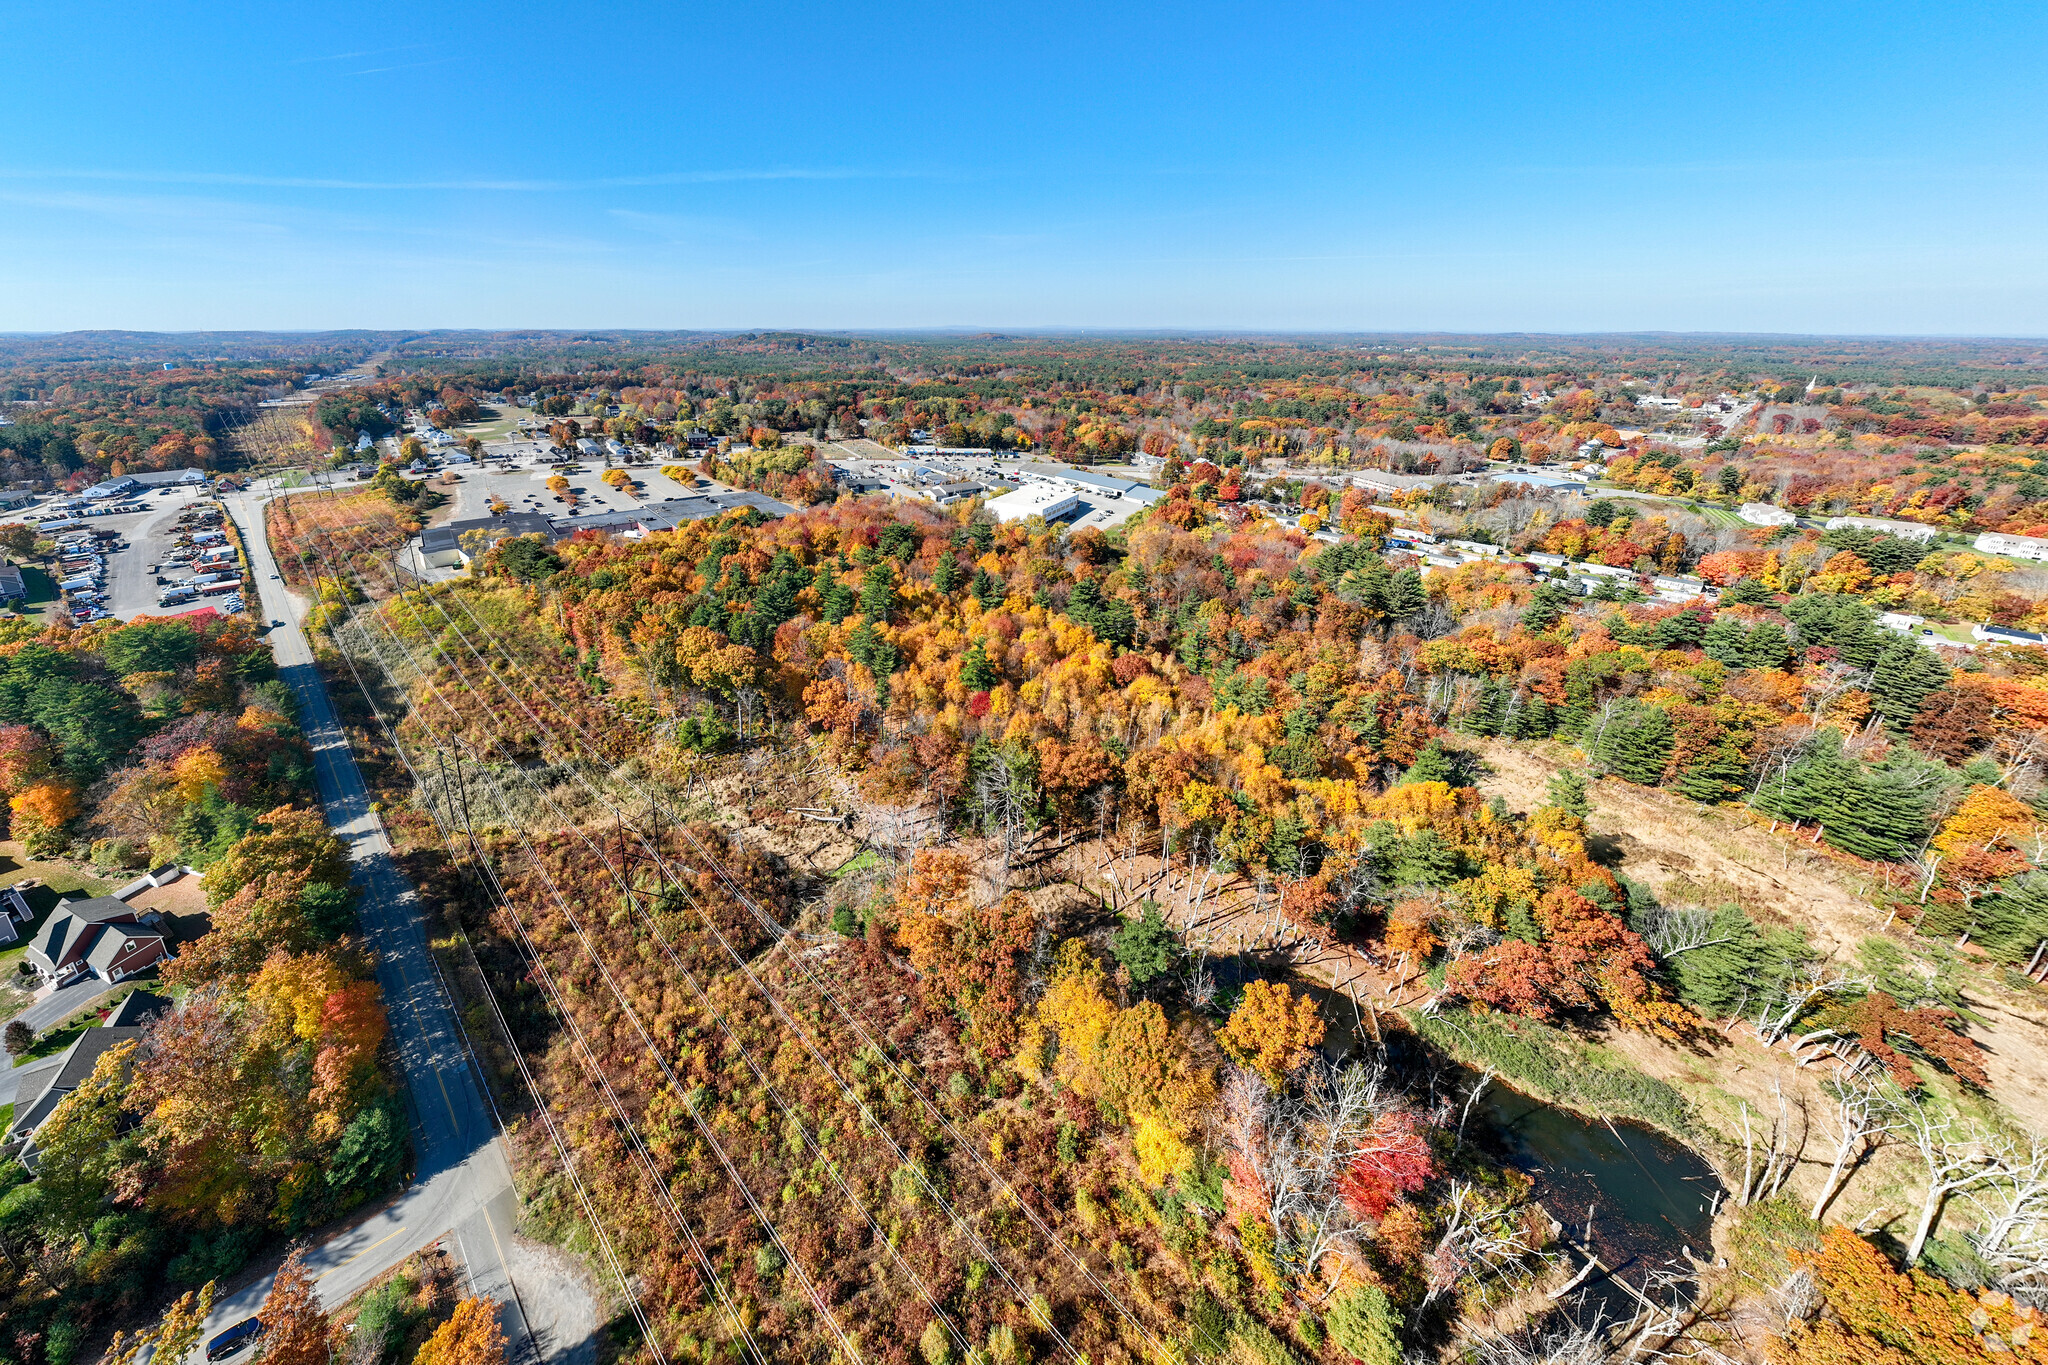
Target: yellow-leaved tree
1272	1031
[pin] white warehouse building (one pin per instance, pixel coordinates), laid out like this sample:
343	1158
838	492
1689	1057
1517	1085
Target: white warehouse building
1911	530
1045	500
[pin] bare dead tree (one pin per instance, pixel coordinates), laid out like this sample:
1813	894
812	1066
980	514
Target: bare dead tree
999	792
1956	1160
1865	1107
1482	1242
1780	1152
1784	1006
1297	1151
1673	929
2014	1205
1557	1341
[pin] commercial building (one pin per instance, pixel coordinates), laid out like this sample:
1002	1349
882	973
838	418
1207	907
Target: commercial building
1050	501
127	485
453	546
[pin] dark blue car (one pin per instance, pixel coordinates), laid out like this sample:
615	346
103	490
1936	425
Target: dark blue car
234	1339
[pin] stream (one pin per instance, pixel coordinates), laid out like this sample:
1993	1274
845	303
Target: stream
1650	1196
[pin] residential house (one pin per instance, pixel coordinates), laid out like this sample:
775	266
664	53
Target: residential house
14	912
2006	635
2013	547
74	1067
1763	514
103	936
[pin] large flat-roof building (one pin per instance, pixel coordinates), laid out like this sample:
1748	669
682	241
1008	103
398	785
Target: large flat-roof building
1050	501
128	484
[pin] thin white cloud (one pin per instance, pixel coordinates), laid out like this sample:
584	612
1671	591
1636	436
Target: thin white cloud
402	66
357	56
297	182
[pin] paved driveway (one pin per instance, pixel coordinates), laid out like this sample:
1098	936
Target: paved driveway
60	1005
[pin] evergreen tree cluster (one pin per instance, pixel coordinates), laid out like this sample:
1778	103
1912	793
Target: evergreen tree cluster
1880	811
1635	741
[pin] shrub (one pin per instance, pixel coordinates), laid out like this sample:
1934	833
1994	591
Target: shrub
1364	1325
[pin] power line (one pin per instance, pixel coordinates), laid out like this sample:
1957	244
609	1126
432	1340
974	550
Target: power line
776	930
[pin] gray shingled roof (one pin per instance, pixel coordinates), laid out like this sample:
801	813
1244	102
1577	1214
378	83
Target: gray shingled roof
100	909
74	1067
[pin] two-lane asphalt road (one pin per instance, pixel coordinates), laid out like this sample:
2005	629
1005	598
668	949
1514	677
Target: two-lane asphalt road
464	1183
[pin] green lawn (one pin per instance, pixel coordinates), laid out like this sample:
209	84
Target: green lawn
58	880
1960	634
41	587
1720	516
496	424
859	862
53	1041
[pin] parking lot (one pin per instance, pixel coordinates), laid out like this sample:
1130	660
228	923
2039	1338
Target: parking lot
146	537
523	486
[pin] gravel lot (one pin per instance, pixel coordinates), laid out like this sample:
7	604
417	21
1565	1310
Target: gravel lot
557	1298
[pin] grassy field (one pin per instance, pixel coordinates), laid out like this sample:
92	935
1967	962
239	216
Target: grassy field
498	423
1960	634
1720	516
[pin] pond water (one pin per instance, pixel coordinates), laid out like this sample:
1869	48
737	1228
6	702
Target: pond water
1650	1196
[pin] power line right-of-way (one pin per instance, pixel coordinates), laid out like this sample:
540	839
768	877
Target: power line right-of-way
568	723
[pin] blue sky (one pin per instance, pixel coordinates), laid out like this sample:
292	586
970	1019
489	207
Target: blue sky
1871	168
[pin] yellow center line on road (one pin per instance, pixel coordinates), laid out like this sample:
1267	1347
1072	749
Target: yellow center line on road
366	1250
454	1128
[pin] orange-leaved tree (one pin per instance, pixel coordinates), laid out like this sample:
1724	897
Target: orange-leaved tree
295	1330
471	1336
1878	1316
1272	1031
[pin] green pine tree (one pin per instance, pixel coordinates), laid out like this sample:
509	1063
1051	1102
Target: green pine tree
878	592
1723	641
1715	776
1766	646
1433	764
1636	743
839	602
1901	679
976	672
987	589
1145	946
1567	792
1407	596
